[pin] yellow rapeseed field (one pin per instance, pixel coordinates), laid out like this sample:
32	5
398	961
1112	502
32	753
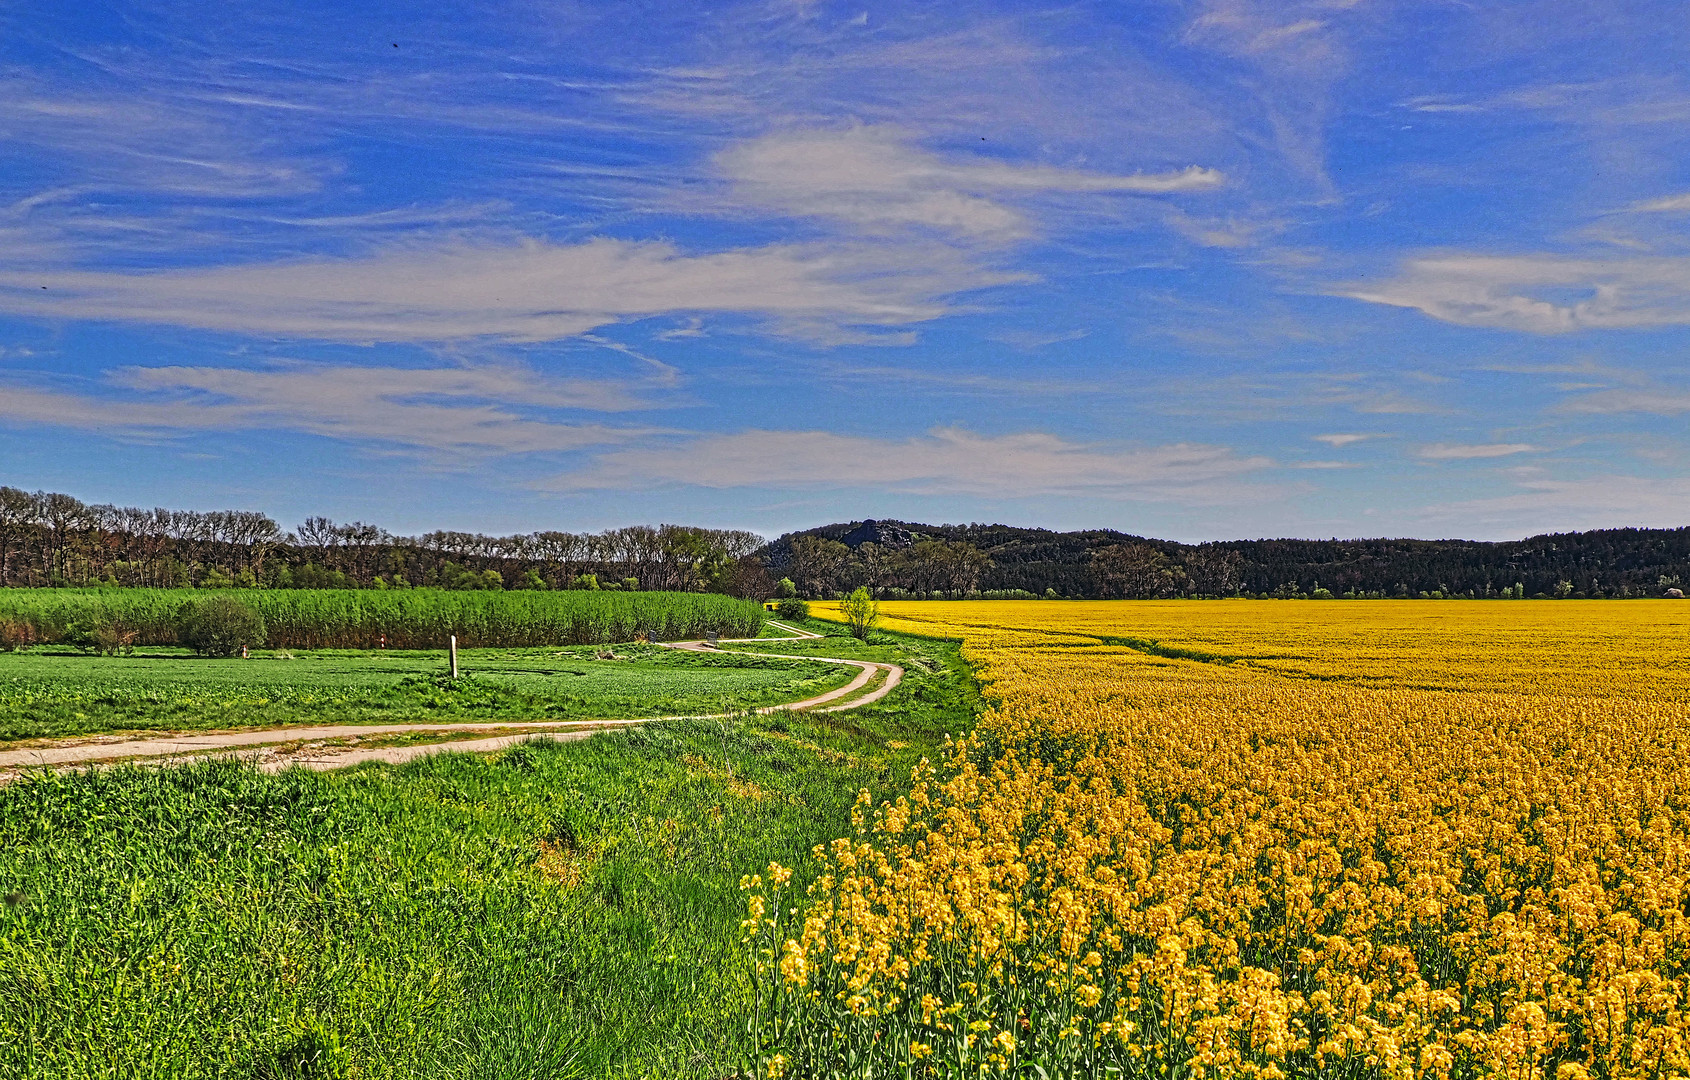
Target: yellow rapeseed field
1265	839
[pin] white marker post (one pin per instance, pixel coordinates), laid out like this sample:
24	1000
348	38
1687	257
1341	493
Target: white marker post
452	649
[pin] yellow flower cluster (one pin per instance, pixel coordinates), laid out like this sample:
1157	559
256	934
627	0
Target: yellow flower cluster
1268	839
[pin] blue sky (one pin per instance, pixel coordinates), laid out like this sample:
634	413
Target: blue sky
1196	270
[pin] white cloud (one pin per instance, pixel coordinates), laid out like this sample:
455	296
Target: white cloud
1467	452
1659	402
961	74
1273	30
1277	394
1630	100
1667	205
444	410
1035	339
945	461
522	292
873	178
1543	294
1338	442
691	328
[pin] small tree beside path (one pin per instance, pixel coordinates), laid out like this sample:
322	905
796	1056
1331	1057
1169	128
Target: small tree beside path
861	611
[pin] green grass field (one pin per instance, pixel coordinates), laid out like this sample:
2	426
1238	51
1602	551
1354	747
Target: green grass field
46	692
561	910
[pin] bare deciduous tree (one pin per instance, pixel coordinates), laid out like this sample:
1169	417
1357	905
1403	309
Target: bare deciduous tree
17	515
1135	571
816	562
1213	570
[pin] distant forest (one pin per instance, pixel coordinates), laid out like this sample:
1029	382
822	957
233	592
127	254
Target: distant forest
905	558
50	539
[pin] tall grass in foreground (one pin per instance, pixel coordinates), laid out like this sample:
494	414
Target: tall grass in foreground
416	618
560	911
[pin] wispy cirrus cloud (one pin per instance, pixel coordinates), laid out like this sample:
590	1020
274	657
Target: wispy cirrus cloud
1542	294
253	130
1027	79
1543	504
529	291
1473	451
1670	204
875	178
1609	402
1638	98
1030	340
944	461
1294	51
129	142
436	411
874	183
1272	395
1297	35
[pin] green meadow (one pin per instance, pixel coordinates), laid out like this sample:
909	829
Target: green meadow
47	691
559	910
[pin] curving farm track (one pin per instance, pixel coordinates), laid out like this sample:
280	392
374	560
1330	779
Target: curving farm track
280	748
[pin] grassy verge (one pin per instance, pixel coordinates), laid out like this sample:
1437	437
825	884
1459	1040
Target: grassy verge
51	693
556	911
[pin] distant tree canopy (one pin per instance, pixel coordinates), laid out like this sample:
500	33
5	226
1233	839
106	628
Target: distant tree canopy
900	558
47	538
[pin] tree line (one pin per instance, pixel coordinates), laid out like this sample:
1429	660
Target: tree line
53	539
896	558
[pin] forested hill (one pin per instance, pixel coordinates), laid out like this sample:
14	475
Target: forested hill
900	556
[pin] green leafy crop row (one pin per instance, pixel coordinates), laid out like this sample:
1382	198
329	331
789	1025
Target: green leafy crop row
418	618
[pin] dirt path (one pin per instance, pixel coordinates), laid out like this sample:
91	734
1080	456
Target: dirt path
870	668
279	748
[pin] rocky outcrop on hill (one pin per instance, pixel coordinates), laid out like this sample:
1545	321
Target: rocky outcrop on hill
885	533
